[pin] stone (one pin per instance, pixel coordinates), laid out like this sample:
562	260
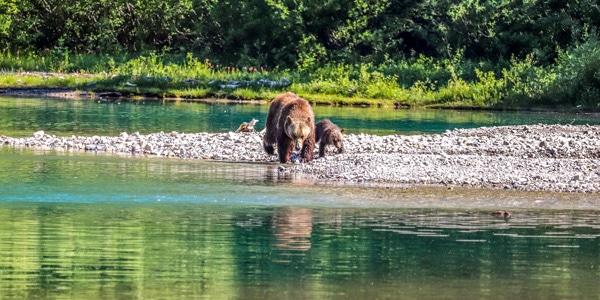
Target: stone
558	158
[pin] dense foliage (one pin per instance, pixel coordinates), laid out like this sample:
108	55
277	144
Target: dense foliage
305	32
474	52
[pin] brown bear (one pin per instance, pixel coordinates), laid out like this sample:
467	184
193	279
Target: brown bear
327	133
291	125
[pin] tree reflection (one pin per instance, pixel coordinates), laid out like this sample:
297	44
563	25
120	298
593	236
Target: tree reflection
190	251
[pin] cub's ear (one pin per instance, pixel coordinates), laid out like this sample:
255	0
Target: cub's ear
289	119
343	130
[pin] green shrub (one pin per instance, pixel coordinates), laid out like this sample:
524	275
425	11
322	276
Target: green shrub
577	77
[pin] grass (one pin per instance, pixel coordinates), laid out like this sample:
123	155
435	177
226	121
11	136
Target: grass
417	82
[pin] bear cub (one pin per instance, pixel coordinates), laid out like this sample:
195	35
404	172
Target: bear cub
291	125
327	133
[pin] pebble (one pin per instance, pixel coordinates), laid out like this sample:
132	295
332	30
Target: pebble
554	158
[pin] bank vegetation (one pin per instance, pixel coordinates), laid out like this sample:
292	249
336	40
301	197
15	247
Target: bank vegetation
503	54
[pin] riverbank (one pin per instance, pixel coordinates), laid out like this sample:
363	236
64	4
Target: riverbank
557	158
107	96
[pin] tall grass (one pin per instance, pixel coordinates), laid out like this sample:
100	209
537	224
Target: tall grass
574	81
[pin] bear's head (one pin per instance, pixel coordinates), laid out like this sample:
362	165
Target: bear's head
298	130
337	139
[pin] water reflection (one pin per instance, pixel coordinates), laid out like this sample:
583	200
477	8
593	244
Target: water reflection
108	251
293	228
89	226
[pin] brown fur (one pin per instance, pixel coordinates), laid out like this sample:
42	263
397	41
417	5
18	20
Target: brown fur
291	125
327	133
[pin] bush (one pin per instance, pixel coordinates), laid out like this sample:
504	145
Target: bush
578	77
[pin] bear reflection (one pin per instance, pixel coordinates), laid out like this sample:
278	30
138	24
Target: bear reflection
293	228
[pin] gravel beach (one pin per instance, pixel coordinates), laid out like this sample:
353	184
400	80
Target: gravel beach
554	158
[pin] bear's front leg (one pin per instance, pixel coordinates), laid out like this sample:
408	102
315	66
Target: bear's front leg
285	150
308	148
322	146
269	148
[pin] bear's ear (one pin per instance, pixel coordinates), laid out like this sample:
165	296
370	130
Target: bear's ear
343	131
289	119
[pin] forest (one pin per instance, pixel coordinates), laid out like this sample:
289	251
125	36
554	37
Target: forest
470	52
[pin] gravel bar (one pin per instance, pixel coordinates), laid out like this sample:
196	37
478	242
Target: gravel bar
554	158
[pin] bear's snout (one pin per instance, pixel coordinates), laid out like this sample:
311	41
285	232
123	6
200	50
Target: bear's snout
298	145
338	144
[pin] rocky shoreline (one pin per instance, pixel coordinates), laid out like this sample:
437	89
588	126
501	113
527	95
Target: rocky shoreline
553	158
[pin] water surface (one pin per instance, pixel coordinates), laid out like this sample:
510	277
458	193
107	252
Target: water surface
190	251
19	117
98	226
87	226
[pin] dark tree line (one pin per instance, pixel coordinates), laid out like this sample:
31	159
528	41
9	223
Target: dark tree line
302	33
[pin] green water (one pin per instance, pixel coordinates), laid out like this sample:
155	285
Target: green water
19	117
98	226
186	251
87	226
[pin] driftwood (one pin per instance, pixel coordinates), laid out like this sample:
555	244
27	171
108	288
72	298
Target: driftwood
247	127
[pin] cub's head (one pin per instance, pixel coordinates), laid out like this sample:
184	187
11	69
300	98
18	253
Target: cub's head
337	139
298	130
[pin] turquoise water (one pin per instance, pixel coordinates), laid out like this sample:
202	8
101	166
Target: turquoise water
87	226
19	117
98	226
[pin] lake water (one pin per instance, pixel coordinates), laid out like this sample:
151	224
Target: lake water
22	116
96	226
